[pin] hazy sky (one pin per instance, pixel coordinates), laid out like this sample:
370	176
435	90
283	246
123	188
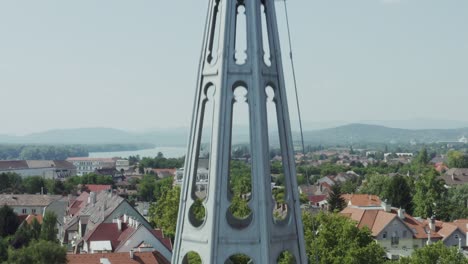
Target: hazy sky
133	64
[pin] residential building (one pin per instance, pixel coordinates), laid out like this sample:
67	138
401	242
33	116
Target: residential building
400	233
49	169
201	179
85	165
120	258
124	235
455	176
122	164
25	204
104	221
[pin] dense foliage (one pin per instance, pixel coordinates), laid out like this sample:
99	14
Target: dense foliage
60	152
436	253
29	243
332	238
158	162
14	183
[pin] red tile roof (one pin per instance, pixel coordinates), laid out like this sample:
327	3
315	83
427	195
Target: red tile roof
97	187
118	258
314	199
362	199
164	240
30	218
462	224
78	203
376	220
109	231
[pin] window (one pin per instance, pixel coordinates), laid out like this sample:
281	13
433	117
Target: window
24	211
33	211
395	238
384	235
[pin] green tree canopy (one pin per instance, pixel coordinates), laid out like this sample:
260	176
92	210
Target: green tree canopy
335	201
8	221
49	228
146	188
436	253
39	252
163	214
457	159
429	194
399	192
332	238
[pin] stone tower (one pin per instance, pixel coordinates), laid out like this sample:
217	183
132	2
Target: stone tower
240	64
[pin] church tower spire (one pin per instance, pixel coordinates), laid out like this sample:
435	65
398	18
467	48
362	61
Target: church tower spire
226	212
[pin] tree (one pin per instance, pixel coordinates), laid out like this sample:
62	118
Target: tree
146	188
8	221
423	158
33	184
457	159
3	250
332	238
161	187
455	204
335	201
21	237
164	213
39	252
436	253
376	184
49	228
399	192
35	229
429	192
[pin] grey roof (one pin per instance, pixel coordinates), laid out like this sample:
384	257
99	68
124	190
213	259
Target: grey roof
59	208
13	200
105	204
34	164
456	176
13	164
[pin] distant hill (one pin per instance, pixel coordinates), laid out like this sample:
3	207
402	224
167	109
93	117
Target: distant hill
99	136
355	133
352	133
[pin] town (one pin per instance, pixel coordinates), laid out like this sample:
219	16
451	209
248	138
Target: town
83	208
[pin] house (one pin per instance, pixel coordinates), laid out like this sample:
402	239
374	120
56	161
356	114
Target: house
120	258
455	176
116	175
164	173
85	165
87	211
49	169
24	204
124	235
400	233
319	201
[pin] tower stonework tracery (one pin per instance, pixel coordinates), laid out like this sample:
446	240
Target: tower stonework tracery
240	63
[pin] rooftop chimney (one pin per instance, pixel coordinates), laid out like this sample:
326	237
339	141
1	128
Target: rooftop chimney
401	213
431	222
92	198
119	224
386	206
131	253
